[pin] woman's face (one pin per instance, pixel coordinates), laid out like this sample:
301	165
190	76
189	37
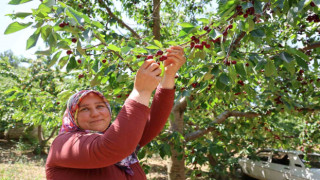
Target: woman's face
93	113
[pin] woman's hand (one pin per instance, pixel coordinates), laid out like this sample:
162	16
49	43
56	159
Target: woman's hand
146	81
175	60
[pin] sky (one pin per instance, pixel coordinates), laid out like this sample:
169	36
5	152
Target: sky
17	41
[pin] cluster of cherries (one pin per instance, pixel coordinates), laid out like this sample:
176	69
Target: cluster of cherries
158	54
249	11
63	24
195	42
314	18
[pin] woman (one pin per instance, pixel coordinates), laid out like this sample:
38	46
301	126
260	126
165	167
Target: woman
88	147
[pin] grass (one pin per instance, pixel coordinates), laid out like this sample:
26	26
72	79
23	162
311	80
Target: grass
16	163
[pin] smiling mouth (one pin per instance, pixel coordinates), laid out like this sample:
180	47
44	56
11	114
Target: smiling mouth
96	121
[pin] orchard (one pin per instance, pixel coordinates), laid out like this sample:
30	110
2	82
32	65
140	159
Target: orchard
251	79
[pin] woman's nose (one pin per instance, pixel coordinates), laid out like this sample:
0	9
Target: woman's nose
94	112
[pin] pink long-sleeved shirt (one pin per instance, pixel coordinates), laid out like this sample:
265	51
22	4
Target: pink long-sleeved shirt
78	155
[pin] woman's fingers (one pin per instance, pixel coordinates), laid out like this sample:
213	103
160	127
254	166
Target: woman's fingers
147	63
153	66
157	72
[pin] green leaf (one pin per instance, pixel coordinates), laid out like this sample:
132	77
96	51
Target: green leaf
258	33
293	51
186	25
203	55
152	47
185	31
79	17
97	24
241	70
20	15
63	61
158	43
290	67
32	41
214	33
16	2
54	59
301	62
286	57
223	78
79	49
114	48
49	3
71	64
16	26
204	20
250	25
270	69
46	52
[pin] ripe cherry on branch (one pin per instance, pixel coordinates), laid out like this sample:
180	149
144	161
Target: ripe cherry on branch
69	52
74	40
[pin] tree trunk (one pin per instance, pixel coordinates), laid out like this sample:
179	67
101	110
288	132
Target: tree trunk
42	142
156	19
176	167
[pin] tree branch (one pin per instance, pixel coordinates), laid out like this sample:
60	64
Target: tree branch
52	133
220	119
310	46
102	4
156	19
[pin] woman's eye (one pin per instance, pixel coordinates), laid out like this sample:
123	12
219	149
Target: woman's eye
84	109
101	106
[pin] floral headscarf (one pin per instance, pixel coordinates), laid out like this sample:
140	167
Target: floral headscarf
69	124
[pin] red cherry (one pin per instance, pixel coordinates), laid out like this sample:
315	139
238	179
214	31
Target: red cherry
162	58
230	26
79	61
61	25
239	8
209	30
206	28
234	62
198	46
192	44
74	40
139	56
194	85
104	61
149	57
312	4
69	52
193	38
203	43
208	46
240	82
80	76
197	40
237	93
247	64
58	103
301	71
226	62
245	15
225	33
159	53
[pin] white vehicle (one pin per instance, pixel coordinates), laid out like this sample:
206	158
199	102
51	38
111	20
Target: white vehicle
271	164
